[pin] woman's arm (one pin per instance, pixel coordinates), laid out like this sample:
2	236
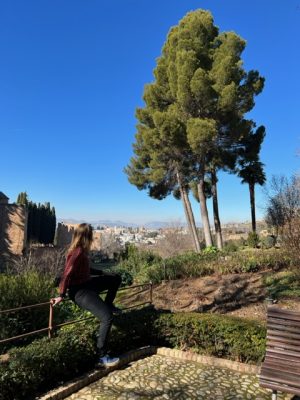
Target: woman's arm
56	300
69	268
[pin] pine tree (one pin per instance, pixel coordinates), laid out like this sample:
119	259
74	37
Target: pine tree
213	92
193	113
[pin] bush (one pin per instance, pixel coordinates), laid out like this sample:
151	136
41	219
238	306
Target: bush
253	239
210	250
25	289
21	290
147	267
185	265
126	277
268	242
230	246
46	363
214	335
283	284
136	261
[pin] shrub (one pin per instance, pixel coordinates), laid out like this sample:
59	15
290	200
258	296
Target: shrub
230	247
28	288
191	264
268	242
127	278
210	250
46	363
135	261
215	335
185	265
283	284
253	239
44	260
21	290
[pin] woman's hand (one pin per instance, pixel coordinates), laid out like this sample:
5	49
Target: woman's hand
56	300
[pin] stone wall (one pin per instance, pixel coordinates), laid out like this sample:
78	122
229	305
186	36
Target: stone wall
13	229
64	233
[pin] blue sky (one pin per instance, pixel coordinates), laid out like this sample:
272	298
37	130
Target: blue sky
72	73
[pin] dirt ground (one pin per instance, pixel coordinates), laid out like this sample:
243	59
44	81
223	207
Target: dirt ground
242	295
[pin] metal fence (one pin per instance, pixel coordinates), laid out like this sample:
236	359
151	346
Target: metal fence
51	327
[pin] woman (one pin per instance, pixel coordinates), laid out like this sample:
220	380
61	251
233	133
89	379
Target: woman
84	290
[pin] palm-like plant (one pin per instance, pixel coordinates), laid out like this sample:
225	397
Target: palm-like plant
253	174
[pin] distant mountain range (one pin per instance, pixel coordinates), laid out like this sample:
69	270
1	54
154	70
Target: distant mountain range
149	225
104	222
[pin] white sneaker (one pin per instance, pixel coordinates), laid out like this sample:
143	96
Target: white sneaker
107	361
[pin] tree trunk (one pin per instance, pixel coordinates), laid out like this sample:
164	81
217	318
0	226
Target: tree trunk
188	213
217	222
203	210
192	220
252	203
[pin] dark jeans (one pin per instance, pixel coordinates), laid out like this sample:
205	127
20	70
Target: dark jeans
86	296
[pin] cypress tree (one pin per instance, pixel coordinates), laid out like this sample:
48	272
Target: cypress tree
250	168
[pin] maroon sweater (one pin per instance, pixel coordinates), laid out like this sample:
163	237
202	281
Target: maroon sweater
76	270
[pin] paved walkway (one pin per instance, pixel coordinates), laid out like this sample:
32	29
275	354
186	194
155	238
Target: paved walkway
162	378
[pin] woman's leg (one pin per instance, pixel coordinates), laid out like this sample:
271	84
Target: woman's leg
90	301
108	281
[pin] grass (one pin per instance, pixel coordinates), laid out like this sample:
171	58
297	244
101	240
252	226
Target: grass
283	284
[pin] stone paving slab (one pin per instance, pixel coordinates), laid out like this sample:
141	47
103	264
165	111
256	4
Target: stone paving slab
166	378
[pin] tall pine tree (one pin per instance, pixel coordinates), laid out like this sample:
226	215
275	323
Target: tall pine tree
193	112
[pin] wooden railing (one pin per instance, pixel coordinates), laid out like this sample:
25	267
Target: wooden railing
51	327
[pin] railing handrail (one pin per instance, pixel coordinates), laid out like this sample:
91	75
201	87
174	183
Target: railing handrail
24	307
51	327
48	302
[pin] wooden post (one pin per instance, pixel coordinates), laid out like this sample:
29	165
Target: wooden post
50	327
151	289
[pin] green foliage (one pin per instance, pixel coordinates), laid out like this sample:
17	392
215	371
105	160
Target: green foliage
201	133
22	198
46	363
194	110
283	284
21	290
145	266
230	246
137	261
126	276
26	289
253	260
41	222
268	242
149	267
253	239
215	335
210	250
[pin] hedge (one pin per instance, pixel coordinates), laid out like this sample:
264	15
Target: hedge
145	268
46	363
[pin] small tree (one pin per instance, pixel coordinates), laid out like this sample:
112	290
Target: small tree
251	169
23	199
283	210
174	241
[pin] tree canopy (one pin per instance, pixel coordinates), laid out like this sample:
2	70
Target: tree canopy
193	118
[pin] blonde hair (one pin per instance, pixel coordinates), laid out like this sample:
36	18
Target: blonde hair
82	237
